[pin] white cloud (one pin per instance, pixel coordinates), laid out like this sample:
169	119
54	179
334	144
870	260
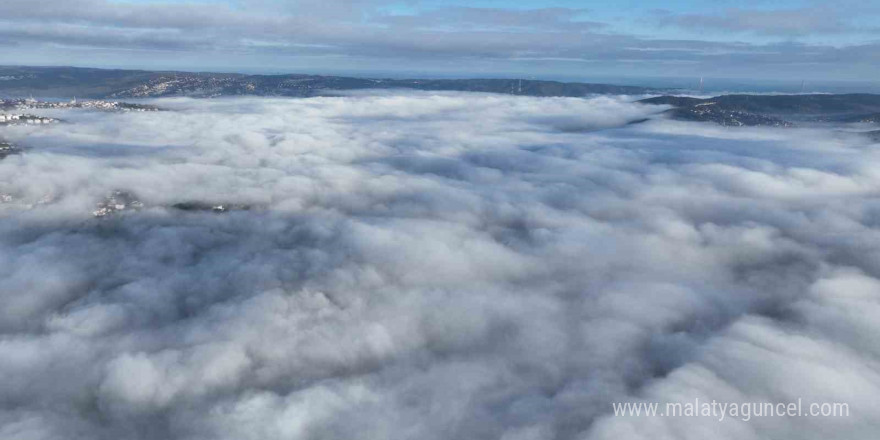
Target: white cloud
430	266
375	37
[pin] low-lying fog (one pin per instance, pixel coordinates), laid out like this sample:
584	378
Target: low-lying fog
433	266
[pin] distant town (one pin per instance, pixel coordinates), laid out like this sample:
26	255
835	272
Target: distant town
90	104
15	111
14	119
18	112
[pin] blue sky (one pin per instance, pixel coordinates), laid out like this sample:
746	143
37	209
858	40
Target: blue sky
552	38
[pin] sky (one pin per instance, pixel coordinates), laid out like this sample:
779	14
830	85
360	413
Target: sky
780	40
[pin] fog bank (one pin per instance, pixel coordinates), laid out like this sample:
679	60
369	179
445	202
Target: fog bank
432	266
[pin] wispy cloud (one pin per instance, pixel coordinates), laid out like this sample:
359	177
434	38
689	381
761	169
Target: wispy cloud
371	33
780	22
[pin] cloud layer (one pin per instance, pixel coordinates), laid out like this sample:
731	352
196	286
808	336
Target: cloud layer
432	266
451	38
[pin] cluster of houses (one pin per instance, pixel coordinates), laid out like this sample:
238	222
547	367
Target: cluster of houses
30	103
5	150
117	201
10	119
20	105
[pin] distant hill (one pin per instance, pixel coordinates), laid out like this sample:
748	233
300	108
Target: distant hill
868	118
63	82
784	104
773	110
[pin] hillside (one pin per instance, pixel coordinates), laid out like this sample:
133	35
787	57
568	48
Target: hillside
62	82
772	110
